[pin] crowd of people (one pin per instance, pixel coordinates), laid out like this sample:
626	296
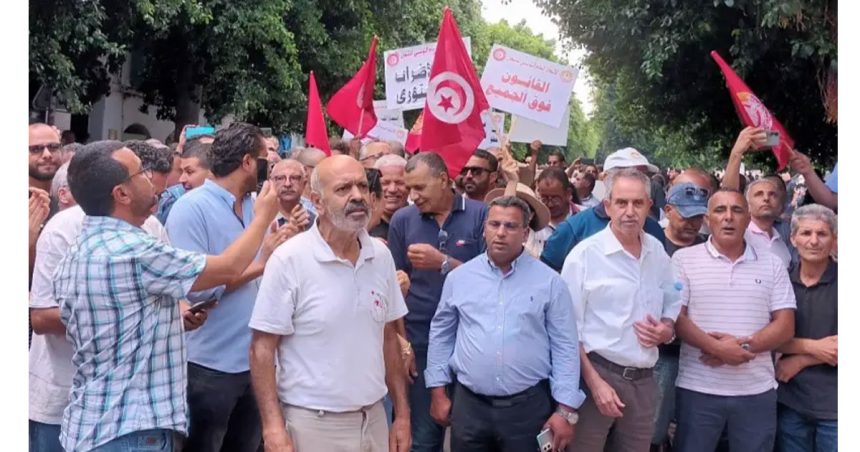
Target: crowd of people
219	294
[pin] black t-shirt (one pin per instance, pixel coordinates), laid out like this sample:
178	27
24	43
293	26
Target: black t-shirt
380	230
675	347
812	391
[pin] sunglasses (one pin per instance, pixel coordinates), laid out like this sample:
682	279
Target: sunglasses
443	241
476	171
53	148
698	194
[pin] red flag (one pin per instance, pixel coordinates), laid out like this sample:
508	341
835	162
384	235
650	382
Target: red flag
315	131
413	140
352	106
452	112
753	112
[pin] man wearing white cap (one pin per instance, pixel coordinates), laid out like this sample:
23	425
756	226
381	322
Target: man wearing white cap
588	222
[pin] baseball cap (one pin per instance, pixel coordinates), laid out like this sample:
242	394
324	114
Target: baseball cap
690	199
627	158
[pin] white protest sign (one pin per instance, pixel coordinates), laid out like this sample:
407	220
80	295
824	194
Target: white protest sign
383	131
492	139
525	130
407	72
387	115
527	86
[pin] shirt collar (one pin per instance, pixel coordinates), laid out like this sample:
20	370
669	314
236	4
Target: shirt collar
827	277
749	252
458	204
753	228
611	244
221	192
514	264
323	252
106	223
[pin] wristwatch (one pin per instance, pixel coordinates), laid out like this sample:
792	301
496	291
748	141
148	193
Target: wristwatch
446	266
572	417
746	346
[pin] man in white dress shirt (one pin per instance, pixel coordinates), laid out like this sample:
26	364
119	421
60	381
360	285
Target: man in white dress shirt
327	305
623	293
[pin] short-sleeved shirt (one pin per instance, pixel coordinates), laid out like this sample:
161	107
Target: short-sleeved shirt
735	298
464	229
813	391
117	289
332	315
204	221
51	368
773	244
611	290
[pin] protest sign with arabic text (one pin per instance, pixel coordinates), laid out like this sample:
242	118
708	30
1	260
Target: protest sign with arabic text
407	71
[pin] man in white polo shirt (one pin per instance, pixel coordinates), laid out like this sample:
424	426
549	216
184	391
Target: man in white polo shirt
327	304
738	307
624	297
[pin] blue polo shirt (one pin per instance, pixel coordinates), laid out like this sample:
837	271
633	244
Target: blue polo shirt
203	220
464	228
580	227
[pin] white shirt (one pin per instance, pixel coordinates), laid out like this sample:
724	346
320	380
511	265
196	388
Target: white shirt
611	290
736	298
51	368
332	314
590	201
774	244
537	239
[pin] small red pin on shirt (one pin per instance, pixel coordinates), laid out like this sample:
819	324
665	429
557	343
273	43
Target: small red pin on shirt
460	243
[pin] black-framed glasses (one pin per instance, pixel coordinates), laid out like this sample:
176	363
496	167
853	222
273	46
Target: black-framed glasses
443	241
53	148
143	170
476	171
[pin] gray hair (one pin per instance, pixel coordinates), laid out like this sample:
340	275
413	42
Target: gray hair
433	161
316	183
752	184
362	153
390	160
396	148
513	201
61	179
811	212
626	173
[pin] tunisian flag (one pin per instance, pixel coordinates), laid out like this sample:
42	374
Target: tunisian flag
753	112
315	131
352	106
452	125
413	140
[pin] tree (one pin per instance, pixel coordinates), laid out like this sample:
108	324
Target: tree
653	56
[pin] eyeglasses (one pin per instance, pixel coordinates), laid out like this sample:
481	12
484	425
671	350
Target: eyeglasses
508	225
53	148
552	200
443	241
282	179
476	171
143	170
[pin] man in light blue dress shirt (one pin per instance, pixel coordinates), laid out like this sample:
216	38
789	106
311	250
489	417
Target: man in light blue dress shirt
505	330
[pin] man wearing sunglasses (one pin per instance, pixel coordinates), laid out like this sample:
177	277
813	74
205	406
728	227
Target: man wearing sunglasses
479	175
45	155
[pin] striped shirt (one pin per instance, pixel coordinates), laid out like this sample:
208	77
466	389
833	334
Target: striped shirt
117	288
773	243
735	298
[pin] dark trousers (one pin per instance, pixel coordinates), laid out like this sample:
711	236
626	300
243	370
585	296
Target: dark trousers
506	425
427	435
750	420
223	413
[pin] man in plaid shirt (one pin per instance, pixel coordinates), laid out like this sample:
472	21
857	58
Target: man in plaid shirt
117	289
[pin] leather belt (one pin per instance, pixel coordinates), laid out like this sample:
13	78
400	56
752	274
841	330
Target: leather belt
627	373
510	400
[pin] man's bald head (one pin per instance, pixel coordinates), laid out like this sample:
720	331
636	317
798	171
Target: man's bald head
696	177
310	157
322	176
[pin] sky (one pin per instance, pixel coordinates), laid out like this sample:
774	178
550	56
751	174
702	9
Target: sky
515	11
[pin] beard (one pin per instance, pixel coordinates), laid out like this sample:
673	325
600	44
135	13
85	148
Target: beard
40	175
341	220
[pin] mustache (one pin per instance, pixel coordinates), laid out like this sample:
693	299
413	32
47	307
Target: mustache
356	206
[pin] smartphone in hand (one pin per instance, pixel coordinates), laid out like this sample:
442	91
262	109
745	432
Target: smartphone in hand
203	306
544	440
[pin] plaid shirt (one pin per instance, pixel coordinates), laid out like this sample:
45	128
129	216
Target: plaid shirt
117	289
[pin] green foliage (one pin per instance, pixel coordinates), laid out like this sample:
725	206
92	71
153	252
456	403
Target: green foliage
659	91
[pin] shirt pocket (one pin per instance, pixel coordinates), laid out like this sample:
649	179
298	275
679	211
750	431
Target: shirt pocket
653	301
375	305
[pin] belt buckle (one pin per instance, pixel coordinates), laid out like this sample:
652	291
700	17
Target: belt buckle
624	374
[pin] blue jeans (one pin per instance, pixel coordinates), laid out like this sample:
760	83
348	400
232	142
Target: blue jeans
665	372
155	440
44	437
799	433
427	435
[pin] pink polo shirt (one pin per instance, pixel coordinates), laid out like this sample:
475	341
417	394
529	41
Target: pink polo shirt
736	298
